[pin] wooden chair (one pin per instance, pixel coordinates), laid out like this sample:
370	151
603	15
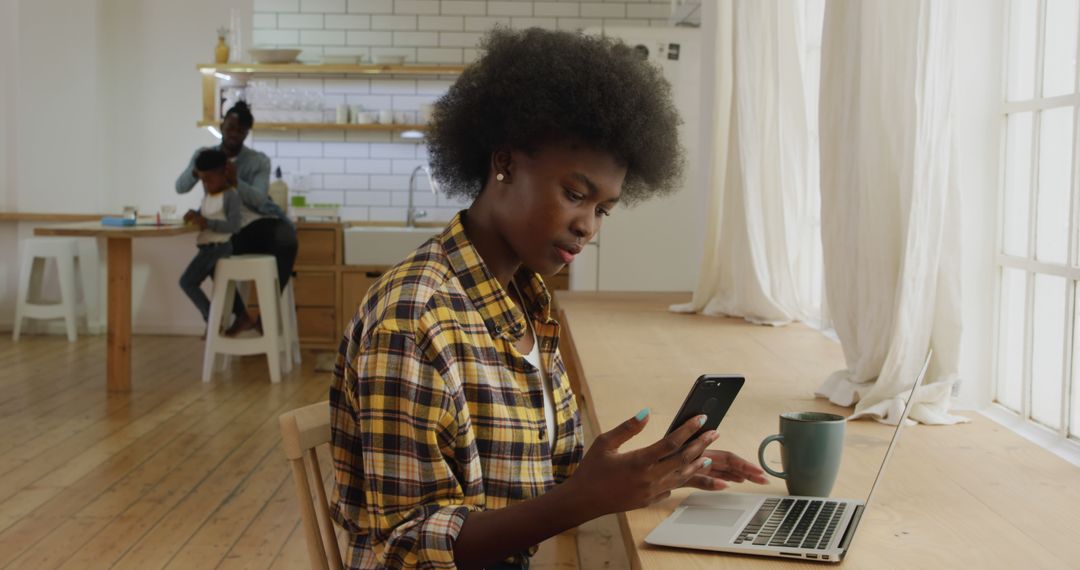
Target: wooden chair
305	429
302	431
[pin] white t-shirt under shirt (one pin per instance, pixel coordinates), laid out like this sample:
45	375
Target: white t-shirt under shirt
534	358
222	213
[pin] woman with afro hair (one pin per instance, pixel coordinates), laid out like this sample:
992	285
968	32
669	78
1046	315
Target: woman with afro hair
455	436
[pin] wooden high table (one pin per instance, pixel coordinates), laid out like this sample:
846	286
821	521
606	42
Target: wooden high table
967	496
118	239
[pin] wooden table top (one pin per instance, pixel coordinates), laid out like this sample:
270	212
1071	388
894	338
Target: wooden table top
972	495
96	229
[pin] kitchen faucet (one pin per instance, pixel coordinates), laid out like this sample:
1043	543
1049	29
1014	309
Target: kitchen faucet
413	213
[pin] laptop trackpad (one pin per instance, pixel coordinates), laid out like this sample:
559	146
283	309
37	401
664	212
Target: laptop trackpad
707	516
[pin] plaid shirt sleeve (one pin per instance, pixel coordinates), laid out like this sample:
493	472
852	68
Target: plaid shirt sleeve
410	435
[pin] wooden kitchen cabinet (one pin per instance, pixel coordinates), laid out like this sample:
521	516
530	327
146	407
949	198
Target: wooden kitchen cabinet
316	288
317	284
319	244
317	327
355	282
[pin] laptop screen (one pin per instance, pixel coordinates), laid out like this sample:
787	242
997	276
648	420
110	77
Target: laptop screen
900	425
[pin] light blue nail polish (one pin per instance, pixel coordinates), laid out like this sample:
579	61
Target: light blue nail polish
708	462
701	420
642	415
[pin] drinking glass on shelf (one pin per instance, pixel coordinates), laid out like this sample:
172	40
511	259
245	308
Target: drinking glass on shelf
168	212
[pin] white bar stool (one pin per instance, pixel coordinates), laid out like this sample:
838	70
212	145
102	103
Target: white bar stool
274	309
35	252
288	310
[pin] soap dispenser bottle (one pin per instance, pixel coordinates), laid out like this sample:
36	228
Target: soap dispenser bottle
279	191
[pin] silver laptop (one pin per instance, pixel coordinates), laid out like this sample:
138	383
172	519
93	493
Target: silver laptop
782	526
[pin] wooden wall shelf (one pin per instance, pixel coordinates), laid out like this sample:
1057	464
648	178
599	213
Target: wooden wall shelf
324	126
328	69
210	89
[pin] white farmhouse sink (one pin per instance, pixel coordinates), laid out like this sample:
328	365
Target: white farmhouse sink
374	245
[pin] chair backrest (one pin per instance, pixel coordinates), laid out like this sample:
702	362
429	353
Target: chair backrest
302	431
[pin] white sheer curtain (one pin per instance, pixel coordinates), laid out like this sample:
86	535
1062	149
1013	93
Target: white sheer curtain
889	208
763	193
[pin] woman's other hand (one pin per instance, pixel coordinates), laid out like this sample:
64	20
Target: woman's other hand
726	466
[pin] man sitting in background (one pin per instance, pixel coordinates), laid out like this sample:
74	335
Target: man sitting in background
264	228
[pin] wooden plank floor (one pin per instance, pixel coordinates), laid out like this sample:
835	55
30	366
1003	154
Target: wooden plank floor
176	474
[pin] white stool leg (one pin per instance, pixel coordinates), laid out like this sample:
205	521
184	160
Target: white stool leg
213	328
268	306
284	344
89	265
27	267
286	330
65	268
35	291
294	330
232	289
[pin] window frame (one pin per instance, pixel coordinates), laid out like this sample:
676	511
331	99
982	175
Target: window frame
1029	264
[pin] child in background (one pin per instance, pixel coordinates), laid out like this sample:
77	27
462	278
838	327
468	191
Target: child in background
218	217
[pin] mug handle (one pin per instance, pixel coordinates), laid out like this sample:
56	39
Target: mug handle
761	455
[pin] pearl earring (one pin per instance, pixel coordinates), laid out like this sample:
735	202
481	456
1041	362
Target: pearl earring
499	177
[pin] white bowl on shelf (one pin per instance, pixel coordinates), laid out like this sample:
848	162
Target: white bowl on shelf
273	55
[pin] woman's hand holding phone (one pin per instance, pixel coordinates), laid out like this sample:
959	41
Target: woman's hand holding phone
608	481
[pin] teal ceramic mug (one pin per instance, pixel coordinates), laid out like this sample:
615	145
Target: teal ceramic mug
810	447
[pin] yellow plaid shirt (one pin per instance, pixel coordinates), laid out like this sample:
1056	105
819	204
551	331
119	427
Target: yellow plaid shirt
434	413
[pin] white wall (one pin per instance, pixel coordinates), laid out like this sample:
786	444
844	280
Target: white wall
52	159
59	116
9	57
148	54
9	52
979	51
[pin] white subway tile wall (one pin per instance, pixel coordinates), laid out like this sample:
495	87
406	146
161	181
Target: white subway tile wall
368	172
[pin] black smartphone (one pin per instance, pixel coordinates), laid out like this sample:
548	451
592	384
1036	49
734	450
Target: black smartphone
712	395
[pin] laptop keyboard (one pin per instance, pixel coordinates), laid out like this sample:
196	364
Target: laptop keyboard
793	523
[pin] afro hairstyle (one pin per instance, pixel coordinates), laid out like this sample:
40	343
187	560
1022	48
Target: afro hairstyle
243	114
536	87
